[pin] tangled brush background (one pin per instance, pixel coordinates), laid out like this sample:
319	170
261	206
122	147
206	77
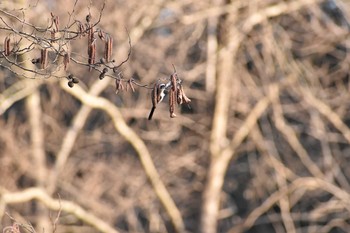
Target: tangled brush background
264	146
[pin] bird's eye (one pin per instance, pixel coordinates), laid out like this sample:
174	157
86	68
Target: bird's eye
162	85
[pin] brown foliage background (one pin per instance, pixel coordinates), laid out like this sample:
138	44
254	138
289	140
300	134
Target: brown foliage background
263	148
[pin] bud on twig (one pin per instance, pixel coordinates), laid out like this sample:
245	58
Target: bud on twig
104	71
36	60
88	18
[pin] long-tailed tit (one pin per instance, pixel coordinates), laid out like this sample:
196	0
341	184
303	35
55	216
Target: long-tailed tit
158	93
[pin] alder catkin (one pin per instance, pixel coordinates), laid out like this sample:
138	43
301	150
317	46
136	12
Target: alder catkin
92	55
172	103
66	59
7	46
179	98
81	30
110	47
155	95
173	82
90	37
43	58
91	46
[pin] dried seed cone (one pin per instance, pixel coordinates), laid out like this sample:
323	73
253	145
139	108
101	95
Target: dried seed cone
75	80
70	84
101	76
88	18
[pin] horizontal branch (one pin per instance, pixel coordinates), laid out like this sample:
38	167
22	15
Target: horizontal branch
55	204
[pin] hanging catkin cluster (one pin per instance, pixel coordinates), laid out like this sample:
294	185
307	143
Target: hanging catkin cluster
50	52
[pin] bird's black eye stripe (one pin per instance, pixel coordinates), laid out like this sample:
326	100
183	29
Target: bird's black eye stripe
162	85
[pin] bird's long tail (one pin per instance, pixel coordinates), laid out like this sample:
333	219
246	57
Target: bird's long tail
151	113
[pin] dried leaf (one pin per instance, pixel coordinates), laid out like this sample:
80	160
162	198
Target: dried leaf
130	83
118	85
56	21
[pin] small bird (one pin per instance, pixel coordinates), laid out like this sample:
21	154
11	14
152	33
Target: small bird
158	94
